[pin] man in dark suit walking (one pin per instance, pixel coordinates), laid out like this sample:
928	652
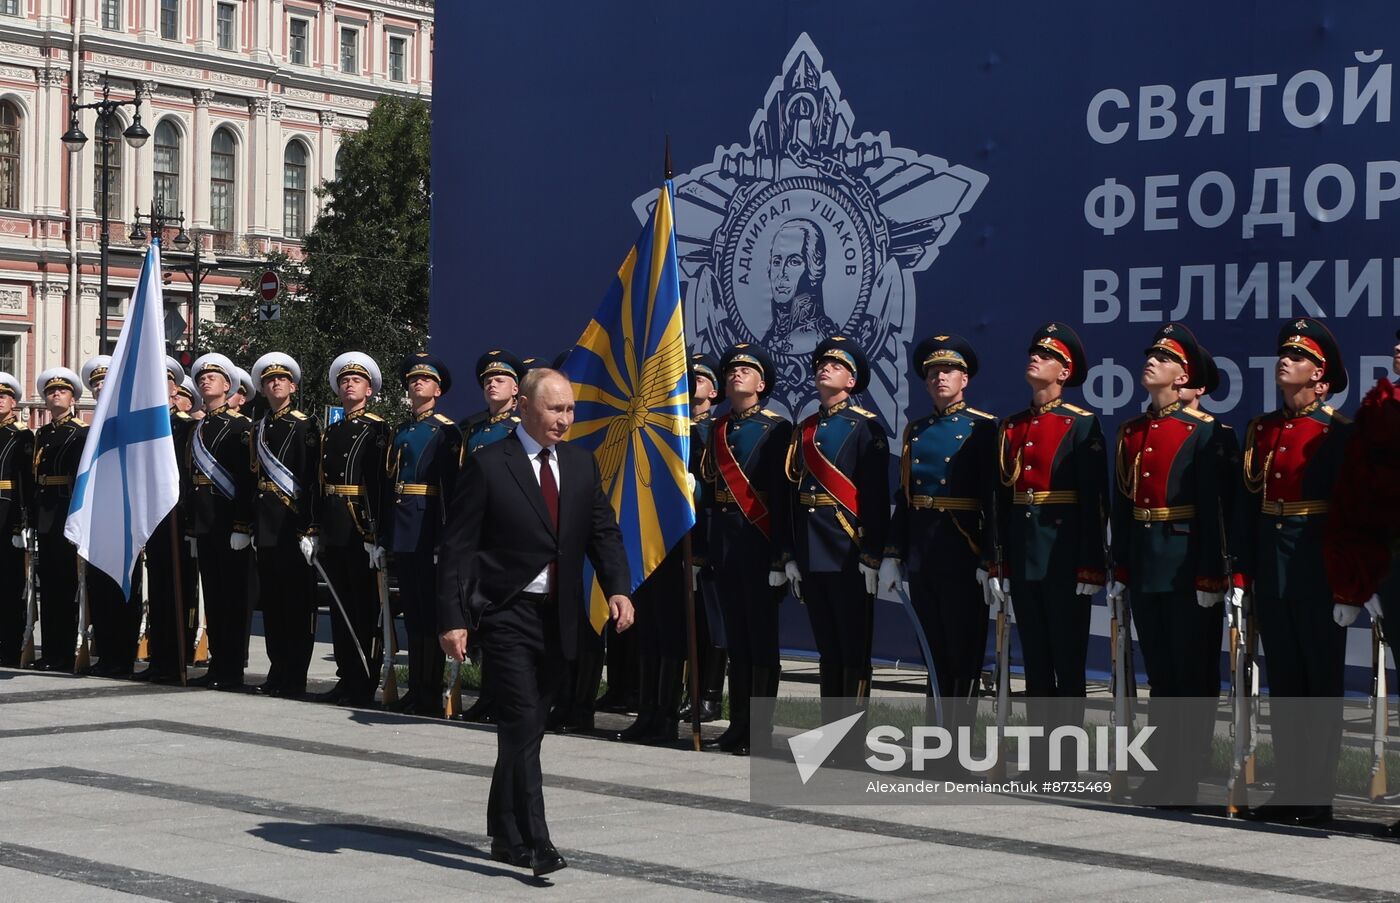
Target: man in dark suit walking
522	516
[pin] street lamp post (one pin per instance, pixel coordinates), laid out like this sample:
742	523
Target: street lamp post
196	271
74	139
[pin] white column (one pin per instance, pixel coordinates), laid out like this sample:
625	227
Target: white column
377	57
258	140
330	42
88	13
143	160
150	19
275	142
262	31
203	143
49	111
203	11
86	160
425	42
277	26
328	145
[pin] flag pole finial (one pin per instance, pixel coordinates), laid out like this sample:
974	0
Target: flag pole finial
667	167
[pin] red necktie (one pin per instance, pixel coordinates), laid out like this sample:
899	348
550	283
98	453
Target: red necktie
548	488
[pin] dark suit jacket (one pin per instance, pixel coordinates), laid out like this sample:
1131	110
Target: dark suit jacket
499	536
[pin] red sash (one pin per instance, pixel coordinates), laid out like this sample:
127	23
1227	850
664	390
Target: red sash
738	482
836	483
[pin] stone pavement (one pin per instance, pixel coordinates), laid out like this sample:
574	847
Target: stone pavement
113	790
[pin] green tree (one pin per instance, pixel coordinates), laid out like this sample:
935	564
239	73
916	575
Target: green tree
363	284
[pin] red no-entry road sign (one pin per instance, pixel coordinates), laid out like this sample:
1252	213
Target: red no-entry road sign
269	285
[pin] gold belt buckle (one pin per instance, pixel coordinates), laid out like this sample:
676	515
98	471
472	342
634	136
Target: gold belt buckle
1030	496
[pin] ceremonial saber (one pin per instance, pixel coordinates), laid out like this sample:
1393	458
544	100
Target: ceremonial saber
1381	722
31	598
81	659
903	595
387	680
335	597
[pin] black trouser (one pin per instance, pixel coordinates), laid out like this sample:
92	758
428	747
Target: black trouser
522	640
953	614
1180	643
162	631
661	613
750	613
116	621
224	575
357	585
840	611
1053	623
1304	656
12	614
288	587
58	600
417	578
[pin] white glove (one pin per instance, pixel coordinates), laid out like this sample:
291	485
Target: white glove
194	546
1208	600
982	578
1345	614
777	578
1086	589
872	578
891	574
376	556
17	540
1115	590
794	578
239	541
690	481
998	589
1373	607
307	544
695	576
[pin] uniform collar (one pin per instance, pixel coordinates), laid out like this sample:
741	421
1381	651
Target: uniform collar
1047	407
221	409
497	418
951	409
836	408
360	413
1170	409
9	420
701	417
282	412
419	418
747	412
65	418
1303	411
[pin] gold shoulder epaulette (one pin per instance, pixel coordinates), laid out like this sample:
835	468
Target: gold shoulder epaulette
1199	415
514	419
181	415
441	419
1336	415
771	414
1075	409
372	416
298	415
235	415
983	415
861	411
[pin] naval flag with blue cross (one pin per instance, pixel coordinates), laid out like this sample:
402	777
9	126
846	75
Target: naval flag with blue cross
128	479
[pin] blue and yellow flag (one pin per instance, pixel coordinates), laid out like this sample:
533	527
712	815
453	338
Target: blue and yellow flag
631	386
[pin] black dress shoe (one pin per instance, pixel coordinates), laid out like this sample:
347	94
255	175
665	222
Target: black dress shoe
546	859
1312	815
165	678
267	688
357	700
40	664
504	852
228	685
1275	813
333	696
204	680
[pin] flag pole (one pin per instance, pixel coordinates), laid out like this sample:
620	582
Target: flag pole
688	566
179	596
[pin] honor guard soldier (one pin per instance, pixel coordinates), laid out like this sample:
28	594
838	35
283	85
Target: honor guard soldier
187	397
286	458
943	531
839	460
706	391
1227	437
498	373
220	519
16	461
747	492
116	624
1360	545
1292	458
243	390
58	450
424	458
354	453
1169	556
1051	511
166	602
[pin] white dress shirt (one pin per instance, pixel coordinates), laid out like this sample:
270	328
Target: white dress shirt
532	450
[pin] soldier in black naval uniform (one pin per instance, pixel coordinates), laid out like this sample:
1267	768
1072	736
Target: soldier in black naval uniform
1168	558
706	391
839	460
747	493
16	461
424	459
58	450
943	531
498	373
220	519
353	457
286	458
1291	461
116	622
1051	523
164	598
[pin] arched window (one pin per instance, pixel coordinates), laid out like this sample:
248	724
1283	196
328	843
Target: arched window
294	190
167	167
222	169
9	156
112	137
339	161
